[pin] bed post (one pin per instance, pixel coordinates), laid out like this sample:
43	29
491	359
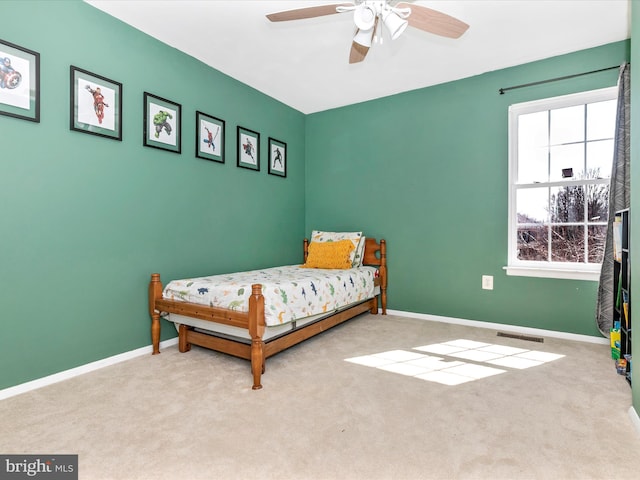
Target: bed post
305	249
183	345
383	275
256	330
155	293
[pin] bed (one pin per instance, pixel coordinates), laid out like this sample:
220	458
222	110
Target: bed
244	315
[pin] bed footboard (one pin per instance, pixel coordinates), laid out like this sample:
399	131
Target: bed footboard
253	321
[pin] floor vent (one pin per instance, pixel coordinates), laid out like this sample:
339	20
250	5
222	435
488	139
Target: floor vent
521	337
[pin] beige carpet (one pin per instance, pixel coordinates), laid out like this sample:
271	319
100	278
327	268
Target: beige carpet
194	415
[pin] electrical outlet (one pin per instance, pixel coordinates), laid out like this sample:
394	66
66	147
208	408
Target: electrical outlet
487	282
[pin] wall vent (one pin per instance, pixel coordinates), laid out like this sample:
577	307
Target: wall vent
521	337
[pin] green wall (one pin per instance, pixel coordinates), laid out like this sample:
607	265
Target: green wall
85	220
427	170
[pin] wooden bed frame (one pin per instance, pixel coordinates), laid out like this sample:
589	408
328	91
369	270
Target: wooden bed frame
258	350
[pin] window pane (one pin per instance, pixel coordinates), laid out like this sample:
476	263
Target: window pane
533	137
601	120
599	159
532	205
533	165
566	157
597	203
567	204
567	125
533	129
597	239
533	243
567	244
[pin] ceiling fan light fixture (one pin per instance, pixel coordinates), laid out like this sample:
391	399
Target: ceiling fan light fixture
364	17
394	24
363	37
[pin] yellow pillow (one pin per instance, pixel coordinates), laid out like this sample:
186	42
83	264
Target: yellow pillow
329	254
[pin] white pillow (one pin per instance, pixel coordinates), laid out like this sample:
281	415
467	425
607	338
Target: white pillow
357	261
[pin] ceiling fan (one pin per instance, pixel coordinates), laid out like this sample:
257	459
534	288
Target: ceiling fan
368	14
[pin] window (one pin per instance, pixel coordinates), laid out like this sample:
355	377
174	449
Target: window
560	159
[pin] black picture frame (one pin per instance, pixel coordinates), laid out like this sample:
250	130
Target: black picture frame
248	149
96	104
210	137
162	123
19	82
277	157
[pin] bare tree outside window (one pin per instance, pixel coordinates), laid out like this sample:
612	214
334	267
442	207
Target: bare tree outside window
563	238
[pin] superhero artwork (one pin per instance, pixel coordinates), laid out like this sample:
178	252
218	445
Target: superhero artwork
248	149
14	82
162	123
96	104
210	137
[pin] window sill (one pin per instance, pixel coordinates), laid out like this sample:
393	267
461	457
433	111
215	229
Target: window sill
518	271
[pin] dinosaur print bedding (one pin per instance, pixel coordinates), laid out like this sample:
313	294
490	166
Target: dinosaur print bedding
290	292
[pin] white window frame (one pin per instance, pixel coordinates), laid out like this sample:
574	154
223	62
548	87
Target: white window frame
530	268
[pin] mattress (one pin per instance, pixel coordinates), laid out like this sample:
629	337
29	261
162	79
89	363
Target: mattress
290	292
241	334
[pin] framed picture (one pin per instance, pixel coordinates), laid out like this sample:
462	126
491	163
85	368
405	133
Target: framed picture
277	157
162	123
248	149
19	82
96	104
209	137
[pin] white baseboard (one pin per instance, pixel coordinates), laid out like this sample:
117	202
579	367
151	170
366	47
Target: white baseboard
635	420
74	372
503	327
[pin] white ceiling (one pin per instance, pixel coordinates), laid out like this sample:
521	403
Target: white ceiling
304	63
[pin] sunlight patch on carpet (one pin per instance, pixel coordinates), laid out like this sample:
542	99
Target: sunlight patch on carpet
453	371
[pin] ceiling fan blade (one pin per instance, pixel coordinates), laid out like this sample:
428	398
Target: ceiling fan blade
358	52
432	21
307	12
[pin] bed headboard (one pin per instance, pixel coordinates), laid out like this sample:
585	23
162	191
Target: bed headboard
371	249
375	253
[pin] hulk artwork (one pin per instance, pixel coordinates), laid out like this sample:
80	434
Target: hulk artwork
160	122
